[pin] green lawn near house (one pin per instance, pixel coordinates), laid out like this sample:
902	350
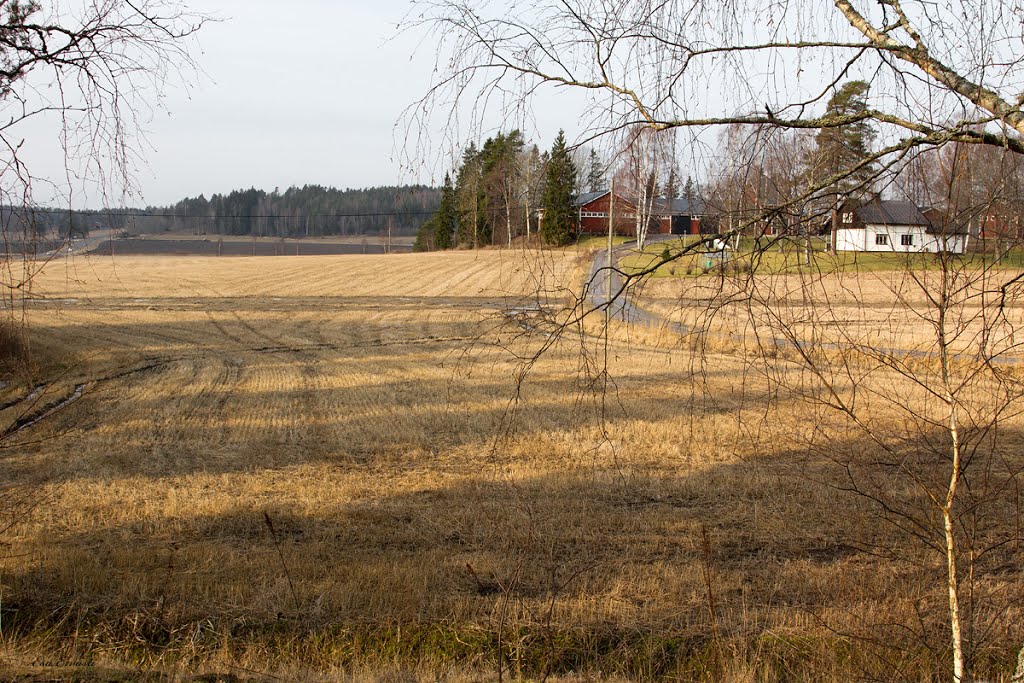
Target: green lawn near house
598	241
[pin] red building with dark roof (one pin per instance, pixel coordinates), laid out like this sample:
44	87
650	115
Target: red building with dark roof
668	217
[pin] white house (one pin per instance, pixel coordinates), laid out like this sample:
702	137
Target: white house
894	226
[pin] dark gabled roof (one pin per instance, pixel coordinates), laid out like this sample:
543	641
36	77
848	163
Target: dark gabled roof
588	197
944	222
680	206
891	212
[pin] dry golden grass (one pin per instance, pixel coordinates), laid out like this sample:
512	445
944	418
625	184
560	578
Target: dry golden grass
876	309
420	520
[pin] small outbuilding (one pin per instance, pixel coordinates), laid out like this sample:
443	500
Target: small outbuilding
887	225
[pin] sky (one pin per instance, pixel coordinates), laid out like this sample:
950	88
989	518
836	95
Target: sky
293	93
303	92
313	92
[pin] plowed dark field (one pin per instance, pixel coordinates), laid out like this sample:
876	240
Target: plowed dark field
204	247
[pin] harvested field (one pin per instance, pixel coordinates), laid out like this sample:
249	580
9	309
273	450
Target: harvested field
321	467
881	309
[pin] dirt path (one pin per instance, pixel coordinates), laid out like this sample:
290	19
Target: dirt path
623	308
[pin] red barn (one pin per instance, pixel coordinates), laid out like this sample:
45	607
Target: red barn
668	217
999	227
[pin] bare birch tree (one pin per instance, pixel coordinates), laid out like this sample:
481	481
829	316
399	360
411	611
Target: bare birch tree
645	155
94	67
90	71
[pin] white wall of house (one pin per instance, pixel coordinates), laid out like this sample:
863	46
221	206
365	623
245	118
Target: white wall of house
897	238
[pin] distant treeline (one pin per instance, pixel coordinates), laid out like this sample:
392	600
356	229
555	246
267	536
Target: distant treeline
308	211
29	223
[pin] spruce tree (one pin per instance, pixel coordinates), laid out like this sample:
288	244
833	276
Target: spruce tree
840	148
425	235
446	219
469	198
672	185
690	194
559	223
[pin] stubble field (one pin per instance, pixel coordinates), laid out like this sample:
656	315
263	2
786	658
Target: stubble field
320	467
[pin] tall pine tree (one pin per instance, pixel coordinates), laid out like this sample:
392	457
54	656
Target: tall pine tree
559	223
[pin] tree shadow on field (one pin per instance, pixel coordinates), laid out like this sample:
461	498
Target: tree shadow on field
372	497
269	408
624	570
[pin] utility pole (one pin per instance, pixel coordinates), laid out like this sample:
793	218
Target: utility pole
611	231
608	300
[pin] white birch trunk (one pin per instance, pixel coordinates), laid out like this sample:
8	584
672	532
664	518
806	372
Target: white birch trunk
642	216
960	672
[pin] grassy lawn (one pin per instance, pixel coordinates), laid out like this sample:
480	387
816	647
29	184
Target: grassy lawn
598	241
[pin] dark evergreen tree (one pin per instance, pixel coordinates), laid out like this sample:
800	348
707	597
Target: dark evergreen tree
690	193
500	184
672	185
559	224
445	221
469	199
842	147
425	235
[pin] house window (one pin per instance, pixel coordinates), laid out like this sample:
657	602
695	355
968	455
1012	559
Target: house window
848	216
907	240
881	239
593	214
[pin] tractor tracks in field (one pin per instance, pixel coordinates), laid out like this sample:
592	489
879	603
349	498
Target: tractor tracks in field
210	365
34	409
212	396
33	412
32	417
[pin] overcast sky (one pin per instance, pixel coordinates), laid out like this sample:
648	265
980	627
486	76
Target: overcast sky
294	93
307	91
303	92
